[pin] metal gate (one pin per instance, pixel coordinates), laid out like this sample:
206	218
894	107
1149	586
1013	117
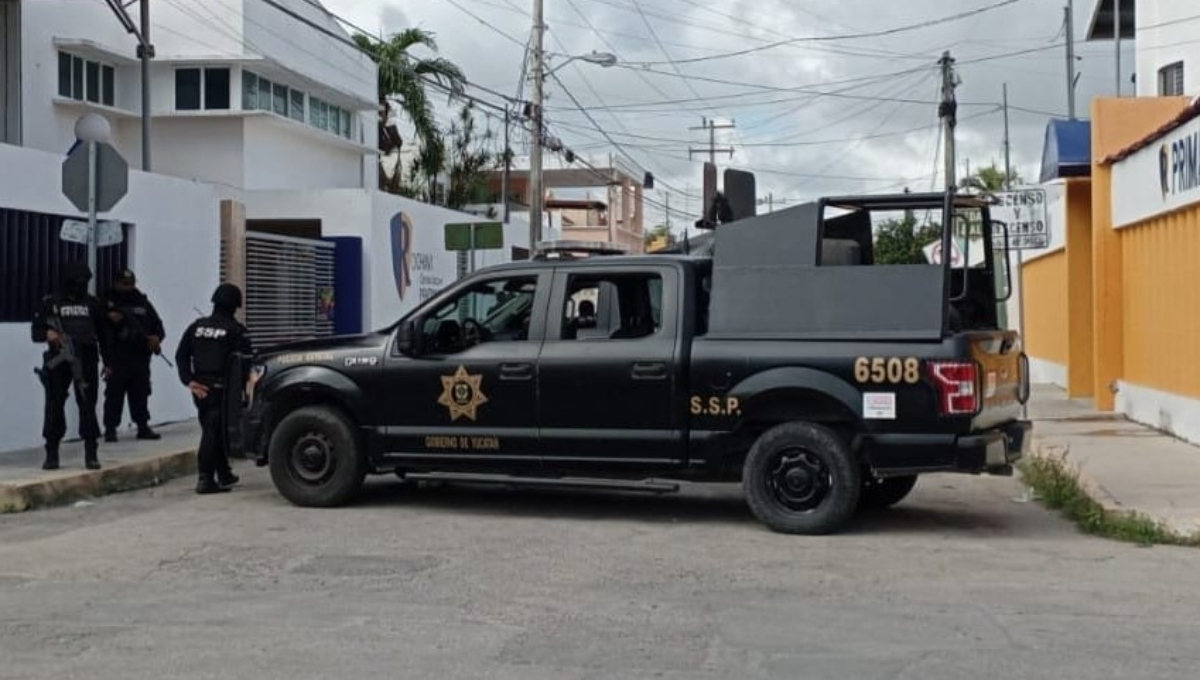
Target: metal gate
289	288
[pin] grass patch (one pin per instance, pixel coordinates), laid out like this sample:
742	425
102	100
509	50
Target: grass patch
1058	487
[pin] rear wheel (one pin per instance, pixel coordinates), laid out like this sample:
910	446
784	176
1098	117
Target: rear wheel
801	478
315	459
884	493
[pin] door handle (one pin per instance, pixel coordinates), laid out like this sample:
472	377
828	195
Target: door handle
516	371
649	370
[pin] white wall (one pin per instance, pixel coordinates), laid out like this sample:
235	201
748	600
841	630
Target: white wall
302	49
1139	192
285	154
193	148
368	213
189	29
175	253
1159	45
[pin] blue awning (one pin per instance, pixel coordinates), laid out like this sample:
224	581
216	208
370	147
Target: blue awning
1067	151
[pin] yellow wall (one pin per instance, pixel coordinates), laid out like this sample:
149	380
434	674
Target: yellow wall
1116	124
1161	271
1079	288
1044	293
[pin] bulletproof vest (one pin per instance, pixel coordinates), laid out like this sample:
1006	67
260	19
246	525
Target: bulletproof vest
77	321
137	315
213	340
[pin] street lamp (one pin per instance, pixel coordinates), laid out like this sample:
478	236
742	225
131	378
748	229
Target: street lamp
601	59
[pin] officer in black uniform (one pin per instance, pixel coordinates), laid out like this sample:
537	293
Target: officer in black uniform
204	359
137	332
71	319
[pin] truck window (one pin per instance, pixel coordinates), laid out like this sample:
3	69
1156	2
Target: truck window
612	306
496	310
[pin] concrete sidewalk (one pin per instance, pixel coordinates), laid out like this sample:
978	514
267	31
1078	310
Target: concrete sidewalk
128	464
1124	465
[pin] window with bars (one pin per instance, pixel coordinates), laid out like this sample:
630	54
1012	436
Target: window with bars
1170	80
31	255
86	80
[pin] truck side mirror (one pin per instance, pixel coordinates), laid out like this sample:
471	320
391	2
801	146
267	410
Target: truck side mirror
408	338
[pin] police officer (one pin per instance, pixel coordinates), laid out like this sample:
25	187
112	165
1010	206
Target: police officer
204	360
72	323
137	333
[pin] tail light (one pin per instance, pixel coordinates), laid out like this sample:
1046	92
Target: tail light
958	386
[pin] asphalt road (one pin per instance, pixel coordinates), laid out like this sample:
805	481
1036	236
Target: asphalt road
962	580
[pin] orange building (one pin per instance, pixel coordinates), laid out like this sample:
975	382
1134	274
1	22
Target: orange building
1114	313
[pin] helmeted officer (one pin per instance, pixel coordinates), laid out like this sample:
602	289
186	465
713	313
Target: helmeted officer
71	320
137	333
204	359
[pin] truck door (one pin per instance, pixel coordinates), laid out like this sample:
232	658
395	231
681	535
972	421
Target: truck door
608	370
471	392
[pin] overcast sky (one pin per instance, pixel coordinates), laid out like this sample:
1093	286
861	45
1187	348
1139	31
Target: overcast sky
799	139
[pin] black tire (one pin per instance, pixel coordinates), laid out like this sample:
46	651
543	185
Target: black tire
801	478
878	494
315	458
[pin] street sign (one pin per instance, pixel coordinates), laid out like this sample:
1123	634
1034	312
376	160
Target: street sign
933	253
112	176
488	236
109	232
1025	213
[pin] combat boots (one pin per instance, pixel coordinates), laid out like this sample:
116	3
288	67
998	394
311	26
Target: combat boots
144	432
90	460
51	462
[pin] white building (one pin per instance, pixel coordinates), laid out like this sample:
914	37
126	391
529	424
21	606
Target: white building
263	152
1166	52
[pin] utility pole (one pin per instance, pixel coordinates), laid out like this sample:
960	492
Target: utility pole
1070	21
712	150
535	153
507	167
948	111
1019	288
1117	40
1007	159
145	52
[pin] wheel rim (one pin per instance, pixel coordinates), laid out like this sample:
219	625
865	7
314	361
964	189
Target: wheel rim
312	458
799	480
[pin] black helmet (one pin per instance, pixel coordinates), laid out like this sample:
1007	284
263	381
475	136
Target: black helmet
227	296
75	277
75	272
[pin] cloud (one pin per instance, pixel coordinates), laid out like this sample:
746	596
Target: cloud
875	129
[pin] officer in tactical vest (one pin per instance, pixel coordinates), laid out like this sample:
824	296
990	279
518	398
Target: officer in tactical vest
137	333
72	323
204	359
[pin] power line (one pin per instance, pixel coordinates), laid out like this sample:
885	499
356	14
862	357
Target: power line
847	36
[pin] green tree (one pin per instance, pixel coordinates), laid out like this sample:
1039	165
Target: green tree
403	79
989	179
470	160
657	232
900	241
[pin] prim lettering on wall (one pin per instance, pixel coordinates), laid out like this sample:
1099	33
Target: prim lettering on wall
1160	178
429	282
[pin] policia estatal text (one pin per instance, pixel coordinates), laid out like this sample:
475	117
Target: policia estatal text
72	323
208	364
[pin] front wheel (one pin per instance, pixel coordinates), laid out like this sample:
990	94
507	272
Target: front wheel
884	493
801	478
315	459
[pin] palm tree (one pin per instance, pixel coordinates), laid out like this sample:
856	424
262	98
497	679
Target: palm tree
403	79
989	180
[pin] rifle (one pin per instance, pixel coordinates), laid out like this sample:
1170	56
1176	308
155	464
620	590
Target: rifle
66	354
130	318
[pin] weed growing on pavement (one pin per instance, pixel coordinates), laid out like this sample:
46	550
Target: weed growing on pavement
1058	487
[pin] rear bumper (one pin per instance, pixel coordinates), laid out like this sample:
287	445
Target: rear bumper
993	451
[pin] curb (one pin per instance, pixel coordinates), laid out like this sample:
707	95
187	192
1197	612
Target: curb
137	474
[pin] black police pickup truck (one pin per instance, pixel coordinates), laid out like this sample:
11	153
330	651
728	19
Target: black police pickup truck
783	358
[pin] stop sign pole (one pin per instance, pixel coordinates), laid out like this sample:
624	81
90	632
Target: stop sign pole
94	178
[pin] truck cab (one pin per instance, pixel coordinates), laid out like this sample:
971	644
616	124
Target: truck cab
779	356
